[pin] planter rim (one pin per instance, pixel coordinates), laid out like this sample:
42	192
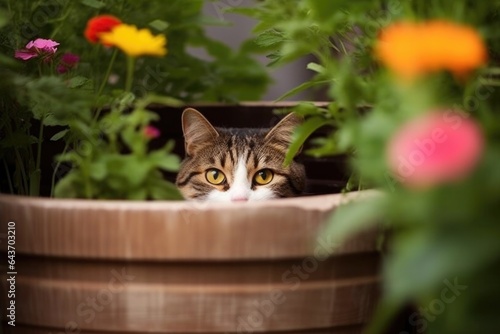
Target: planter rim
313	202
174	231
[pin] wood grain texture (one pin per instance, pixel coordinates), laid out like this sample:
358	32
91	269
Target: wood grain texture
179	267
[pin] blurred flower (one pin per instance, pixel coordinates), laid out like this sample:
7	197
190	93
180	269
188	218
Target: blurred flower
135	42
151	132
113	79
410	49
37	48
435	148
68	62
98	25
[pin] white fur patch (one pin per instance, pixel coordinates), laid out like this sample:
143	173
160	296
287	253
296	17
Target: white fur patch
240	189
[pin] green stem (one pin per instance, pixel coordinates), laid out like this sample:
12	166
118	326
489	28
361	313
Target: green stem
343	46
35	175
130	73
23	187
23	172
108	73
39	148
88	187
7	172
96	116
52	184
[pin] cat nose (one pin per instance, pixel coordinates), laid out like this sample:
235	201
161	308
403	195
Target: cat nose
239	198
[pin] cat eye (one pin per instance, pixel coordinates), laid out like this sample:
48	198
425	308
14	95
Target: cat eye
215	176
263	177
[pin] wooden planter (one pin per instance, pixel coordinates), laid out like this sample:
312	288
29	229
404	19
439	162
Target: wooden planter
180	267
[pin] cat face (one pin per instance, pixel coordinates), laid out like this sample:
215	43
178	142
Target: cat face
237	164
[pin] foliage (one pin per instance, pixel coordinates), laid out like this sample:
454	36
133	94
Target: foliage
103	126
443	232
179	74
103	170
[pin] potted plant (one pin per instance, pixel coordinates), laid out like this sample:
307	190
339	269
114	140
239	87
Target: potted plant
414	91
96	260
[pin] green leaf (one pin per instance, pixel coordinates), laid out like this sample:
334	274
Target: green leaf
363	211
139	194
316	68
270	38
158	99
51	120
164	190
59	135
93	3
309	109
348	89
302	133
159	25
165	161
423	257
98	170
302	87
68	186
77	82
324	10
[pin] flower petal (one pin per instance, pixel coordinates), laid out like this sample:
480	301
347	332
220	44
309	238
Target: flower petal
135	42
436	148
98	25
25	54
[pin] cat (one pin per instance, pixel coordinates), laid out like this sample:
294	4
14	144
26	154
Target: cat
235	165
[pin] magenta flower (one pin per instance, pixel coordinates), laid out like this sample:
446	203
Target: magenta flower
68	62
435	148
39	47
151	132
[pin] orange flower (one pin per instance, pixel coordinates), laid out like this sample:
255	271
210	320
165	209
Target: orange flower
410	49
99	25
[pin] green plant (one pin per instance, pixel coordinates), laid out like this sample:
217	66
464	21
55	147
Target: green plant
103	170
388	102
78	87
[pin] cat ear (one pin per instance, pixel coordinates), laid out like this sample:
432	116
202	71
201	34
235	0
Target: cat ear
282	134
198	132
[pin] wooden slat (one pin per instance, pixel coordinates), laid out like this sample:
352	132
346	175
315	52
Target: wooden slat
355	329
285	228
173	308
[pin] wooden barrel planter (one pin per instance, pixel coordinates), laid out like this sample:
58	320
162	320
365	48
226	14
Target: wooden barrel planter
98	267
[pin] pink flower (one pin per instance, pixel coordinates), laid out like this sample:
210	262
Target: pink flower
438	147
151	132
39	47
68	62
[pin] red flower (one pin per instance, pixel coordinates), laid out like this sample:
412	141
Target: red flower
68	62
151	132
98	25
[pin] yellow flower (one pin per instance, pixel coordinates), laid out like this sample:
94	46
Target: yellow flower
411	49
135	42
